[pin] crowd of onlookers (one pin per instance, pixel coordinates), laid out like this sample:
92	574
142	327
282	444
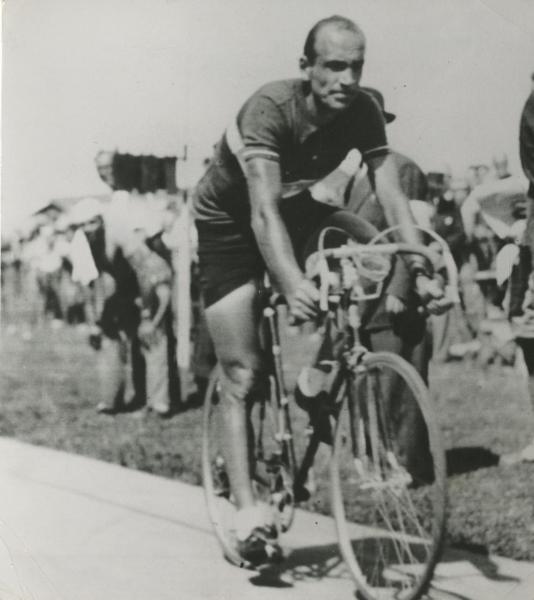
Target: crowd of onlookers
482	217
105	266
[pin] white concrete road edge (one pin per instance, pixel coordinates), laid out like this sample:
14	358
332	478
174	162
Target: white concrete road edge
73	528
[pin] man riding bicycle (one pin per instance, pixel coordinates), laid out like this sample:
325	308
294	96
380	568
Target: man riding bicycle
254	211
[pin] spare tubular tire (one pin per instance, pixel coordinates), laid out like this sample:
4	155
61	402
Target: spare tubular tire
357	228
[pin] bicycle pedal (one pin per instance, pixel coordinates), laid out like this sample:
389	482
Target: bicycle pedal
302	494
274	552
222	493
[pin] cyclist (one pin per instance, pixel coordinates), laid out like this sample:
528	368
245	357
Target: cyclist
254	208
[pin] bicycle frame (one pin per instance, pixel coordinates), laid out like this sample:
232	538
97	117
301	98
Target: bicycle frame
348	356
346	414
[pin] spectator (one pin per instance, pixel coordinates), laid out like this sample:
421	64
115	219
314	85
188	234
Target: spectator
396	325
459	188
154	277
113	316
49	266
450	332
30	252
483	174
525	331
447	222
500	166
70	293
412	178
477	174
489	212
526	151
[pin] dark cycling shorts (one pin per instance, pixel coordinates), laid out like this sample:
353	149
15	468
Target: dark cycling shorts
229	256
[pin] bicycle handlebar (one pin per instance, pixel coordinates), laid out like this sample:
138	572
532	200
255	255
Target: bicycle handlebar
390	248
360	250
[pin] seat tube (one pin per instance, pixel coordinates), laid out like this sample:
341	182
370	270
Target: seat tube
282	400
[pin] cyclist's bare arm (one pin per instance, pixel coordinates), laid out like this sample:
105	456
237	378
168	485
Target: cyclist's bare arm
393	201
397	212
265	192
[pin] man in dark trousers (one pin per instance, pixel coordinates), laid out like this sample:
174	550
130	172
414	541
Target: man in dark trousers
397	325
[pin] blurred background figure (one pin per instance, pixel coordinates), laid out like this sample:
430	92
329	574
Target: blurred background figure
48	265
483	174
451	335
104	166
459	188
526	152
500	166
396	325
477	174
522	304
489	214
70	292
111	290
154	277
412	178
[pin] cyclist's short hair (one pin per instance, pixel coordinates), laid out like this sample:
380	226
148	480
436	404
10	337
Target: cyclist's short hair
340	23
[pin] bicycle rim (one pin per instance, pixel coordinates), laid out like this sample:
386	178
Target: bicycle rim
219	502
388	503
271	467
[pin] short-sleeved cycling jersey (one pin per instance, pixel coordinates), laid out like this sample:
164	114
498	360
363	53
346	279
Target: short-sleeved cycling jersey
275	123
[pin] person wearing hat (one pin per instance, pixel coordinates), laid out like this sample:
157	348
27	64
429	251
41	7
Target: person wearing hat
412	178
396	324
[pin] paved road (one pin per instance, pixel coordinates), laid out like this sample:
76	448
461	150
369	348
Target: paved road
72	528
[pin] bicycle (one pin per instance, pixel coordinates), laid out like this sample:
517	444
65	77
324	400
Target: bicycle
394	553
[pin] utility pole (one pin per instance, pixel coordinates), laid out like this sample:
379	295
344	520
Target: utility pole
181	260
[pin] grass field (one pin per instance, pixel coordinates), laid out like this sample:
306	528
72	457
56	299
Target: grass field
47	391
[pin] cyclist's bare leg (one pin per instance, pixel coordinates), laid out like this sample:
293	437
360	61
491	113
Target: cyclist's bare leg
233	325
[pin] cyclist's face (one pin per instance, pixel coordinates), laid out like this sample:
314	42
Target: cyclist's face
335	74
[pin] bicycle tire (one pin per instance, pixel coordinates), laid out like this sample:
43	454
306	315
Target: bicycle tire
272	477
347	225
220	521
370	484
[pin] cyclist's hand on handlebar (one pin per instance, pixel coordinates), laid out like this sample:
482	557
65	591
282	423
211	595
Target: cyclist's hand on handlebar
432	295
303	301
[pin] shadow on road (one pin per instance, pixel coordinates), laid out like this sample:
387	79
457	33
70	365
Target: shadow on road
322	561
469	458
309	562
478	557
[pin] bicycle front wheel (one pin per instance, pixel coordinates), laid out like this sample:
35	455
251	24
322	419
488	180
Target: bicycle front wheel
388	500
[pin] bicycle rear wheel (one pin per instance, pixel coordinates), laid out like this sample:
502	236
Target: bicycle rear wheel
271	467
389	510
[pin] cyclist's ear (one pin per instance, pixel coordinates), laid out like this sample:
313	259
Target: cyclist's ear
305	67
